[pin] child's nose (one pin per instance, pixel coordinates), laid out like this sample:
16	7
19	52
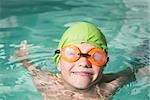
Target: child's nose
83	62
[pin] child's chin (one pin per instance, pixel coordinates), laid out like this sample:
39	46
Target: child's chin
81	85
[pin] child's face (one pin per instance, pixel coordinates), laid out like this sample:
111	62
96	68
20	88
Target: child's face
81	73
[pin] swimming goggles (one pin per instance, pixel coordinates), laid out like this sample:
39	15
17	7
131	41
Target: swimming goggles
72	53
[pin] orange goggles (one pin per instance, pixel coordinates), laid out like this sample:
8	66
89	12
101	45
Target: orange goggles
72	53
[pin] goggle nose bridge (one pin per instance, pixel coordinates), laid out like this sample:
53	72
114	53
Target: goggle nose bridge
84	55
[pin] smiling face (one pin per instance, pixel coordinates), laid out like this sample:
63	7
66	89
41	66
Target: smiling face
80	74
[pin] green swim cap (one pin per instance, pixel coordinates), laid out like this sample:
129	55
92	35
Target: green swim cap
82	32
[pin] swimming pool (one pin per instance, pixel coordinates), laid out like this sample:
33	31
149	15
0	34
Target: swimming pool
124	23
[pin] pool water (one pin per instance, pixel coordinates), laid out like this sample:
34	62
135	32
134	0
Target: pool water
125	23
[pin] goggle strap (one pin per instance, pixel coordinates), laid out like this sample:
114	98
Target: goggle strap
107	59
57	52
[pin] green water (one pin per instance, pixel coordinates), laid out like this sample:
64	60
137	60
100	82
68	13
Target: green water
125	23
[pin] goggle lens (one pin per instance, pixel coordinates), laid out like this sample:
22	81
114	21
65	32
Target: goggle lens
69	53
97	57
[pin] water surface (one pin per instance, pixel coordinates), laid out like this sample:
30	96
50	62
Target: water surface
41	22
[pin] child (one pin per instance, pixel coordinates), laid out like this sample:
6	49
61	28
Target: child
81	57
